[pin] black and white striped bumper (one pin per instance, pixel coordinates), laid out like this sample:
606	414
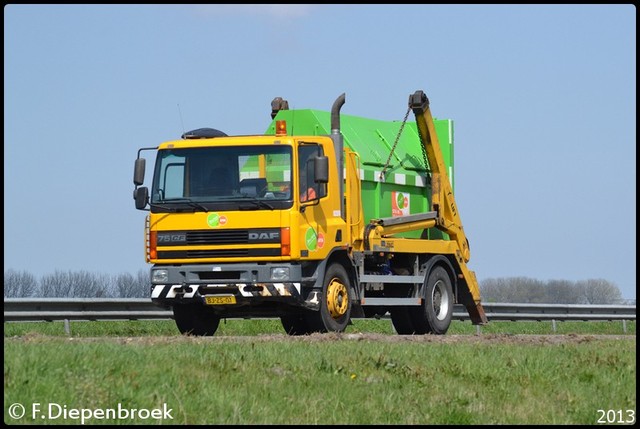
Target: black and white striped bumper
243	290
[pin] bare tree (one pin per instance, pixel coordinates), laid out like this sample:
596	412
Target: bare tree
513	289
143	284
529	290
526	290
90	285
562	292
599	291
495	290
70	284
56	285
19	284
129	286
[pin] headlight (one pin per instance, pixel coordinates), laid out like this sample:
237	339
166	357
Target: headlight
280	273
159	276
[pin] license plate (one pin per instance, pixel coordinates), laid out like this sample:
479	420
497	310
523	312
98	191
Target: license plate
220	300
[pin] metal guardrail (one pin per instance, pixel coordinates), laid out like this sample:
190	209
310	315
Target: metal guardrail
50	309
560	312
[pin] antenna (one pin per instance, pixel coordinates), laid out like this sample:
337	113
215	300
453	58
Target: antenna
293	122
181	121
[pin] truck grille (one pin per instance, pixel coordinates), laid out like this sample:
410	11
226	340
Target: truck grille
232	236
216	253
221	237
218	237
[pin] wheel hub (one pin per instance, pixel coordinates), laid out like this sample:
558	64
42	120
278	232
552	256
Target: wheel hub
440	301
337	298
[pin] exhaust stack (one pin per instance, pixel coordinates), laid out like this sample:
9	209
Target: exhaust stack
338	145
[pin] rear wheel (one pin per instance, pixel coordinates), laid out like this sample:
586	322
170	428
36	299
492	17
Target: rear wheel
400	315
335	305
434	315
195	319
401	321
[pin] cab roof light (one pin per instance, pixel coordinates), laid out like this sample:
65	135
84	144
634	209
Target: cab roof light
281	128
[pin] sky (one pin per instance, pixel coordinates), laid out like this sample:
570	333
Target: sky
543	99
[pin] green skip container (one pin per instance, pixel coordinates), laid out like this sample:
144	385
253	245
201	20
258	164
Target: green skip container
406	186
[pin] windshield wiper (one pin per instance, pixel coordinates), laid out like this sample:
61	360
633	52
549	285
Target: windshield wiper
188	201
258	203
163	207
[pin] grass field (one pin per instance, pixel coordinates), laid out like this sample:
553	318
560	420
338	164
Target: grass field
251	373
273	326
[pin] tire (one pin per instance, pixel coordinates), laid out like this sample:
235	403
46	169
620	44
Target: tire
435	313
400	315
374	311
401	321
195	319
335	305
295	324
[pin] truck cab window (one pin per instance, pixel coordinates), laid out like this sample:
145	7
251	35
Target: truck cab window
309	189
221	178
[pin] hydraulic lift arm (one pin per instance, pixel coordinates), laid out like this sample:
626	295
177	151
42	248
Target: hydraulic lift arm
442	200
443	203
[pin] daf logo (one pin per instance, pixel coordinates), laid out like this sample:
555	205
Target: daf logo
264	236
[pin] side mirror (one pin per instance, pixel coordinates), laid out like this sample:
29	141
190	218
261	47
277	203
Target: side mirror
138	172
141	196
321	169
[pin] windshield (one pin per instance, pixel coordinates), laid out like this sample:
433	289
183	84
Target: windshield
225	177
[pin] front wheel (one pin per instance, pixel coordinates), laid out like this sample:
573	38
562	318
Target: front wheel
335	305
195	319
434	315
295	324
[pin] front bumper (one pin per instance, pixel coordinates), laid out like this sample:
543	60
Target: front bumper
251	284
195	292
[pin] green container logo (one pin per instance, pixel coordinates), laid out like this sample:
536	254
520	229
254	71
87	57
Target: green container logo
313	240
310	239
399	203
214	220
